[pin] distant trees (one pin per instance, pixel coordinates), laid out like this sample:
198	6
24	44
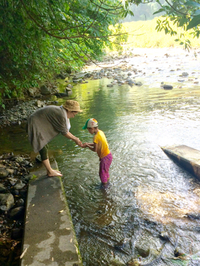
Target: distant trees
144	11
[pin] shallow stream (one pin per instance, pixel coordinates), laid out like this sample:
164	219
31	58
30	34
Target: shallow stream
143	213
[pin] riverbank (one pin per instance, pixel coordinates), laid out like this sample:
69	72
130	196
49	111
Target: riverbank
14	179
24	205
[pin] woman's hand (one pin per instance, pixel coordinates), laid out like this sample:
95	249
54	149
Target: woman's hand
84	145
78	142
75	139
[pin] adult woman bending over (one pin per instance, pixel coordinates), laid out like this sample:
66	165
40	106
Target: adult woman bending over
46	123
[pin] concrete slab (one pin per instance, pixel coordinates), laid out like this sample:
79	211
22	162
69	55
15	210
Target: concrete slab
186	157
49	237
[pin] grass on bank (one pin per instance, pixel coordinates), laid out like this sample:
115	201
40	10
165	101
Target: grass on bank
143	34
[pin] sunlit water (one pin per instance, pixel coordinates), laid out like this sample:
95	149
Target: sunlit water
148	193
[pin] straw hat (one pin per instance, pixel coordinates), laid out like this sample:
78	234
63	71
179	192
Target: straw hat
71	106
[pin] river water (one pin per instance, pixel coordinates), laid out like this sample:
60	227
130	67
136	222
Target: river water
149	196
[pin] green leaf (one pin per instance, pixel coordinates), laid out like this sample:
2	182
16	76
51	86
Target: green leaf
159	11
194	22
192	3
197	12
182	21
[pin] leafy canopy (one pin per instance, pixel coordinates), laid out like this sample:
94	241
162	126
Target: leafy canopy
182	13
39	38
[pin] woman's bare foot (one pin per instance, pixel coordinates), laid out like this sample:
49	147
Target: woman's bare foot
54	173
50	171
56	170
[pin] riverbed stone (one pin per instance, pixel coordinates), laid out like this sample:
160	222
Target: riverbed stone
20	202
19	159
167	87
164	236
193	216
20	184
185	74
139	83
10	171
17	213
40	104
45	90
143	250
178	252
3	173
17	233
69	86
12	181
33	92
116	262
2	188
7	199
3	208
134	262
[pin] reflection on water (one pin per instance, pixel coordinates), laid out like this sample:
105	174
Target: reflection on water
149	194
167	206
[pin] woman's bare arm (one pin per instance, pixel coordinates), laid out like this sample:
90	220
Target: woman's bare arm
74	138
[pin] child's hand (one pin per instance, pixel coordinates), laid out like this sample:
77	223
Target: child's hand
90	146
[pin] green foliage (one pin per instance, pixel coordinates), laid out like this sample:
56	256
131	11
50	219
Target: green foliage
194	22
119	37
39	38
34	177
184	14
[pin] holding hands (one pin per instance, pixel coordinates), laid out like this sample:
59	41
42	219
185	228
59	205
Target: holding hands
84	145
87	145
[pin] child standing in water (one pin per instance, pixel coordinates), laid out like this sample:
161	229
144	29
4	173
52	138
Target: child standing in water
99	145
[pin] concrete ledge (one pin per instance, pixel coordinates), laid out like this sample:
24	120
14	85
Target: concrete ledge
186	157
49	237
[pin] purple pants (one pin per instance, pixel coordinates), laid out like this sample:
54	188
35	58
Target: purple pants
104	167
